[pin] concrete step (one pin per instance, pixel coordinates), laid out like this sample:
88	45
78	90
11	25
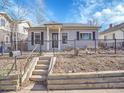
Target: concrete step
44	58
38	78
39	72
43	62
41	66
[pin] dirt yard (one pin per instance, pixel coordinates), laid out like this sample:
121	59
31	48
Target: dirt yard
7	62
88	63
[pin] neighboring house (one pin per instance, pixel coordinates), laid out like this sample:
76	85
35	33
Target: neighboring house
5	31
60	36
11	30
5	27
113	32
20	30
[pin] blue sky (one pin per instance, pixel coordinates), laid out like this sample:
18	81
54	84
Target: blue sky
101	12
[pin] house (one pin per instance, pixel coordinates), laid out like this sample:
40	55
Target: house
20	30
12	30
59	36
5	27
113	33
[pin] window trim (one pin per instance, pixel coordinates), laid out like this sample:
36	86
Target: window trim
85	33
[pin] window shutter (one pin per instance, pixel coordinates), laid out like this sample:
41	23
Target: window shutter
77	35
42	38
32	38
94	37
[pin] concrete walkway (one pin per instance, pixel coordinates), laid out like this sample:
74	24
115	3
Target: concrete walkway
34	88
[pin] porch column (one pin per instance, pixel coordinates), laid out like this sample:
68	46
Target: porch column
59	42
48	39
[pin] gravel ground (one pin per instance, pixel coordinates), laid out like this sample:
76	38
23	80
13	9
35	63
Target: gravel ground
88	63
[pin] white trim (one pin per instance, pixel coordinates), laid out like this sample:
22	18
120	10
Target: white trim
59	38
48	38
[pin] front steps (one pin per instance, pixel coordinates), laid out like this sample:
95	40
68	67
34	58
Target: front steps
41	70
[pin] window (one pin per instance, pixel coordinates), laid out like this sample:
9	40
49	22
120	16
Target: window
37	38
7	39
85	36
105	37
114	36
64	38
2	22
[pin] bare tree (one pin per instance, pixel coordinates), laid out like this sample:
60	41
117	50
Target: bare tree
4	4
18	13
39	12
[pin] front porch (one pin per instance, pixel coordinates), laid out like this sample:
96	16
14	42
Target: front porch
53	37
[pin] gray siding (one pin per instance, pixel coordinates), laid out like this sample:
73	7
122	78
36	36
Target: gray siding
71	37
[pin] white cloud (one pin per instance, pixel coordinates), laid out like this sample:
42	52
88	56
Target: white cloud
97	14
113	15
83	9
119	8
107	11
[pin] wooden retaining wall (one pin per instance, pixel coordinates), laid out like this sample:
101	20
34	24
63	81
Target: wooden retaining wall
10	83
90	80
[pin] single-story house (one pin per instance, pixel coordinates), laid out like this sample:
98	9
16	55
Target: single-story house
59	36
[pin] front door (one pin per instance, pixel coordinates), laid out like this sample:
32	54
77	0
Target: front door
54	40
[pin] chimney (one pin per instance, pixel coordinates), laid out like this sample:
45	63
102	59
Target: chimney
110	26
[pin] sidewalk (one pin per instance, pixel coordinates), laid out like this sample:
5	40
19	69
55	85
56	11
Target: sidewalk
40	89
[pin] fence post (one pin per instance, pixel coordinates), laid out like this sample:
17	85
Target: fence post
74	46
2	46
15	45
15	62
40	48
95	45
115	46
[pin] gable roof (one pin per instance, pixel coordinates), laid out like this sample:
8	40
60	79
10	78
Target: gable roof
6	16
114	28
25	21
70	26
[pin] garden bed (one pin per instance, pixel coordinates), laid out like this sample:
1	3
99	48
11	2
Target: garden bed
88	63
